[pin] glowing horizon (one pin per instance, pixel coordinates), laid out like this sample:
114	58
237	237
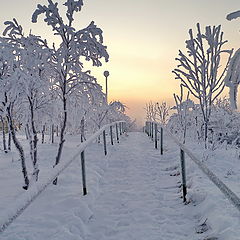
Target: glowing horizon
143	39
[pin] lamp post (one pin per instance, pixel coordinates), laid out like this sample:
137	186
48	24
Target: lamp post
106	74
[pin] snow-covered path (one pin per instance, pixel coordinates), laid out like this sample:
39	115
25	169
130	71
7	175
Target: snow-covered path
134	194
139	199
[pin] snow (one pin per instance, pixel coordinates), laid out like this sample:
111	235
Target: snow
133	193
233	15
139	199
14	210
130	191
223	188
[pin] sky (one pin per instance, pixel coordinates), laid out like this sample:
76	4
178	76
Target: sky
142	37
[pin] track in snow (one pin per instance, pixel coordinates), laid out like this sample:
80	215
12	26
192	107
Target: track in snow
139	199
136	198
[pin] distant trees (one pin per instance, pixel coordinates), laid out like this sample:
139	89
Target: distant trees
157	112
202	70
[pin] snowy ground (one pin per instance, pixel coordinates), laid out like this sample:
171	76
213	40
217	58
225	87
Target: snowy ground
133	194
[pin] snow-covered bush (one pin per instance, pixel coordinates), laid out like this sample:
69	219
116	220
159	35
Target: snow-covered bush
224	124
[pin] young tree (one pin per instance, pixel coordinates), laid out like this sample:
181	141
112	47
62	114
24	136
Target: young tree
150	111
87	43
182	108
33	64
162	112
199	69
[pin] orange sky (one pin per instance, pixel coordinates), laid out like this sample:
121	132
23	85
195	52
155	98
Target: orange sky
143	39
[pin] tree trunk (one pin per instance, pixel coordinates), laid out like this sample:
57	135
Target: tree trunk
9	140
19	148
233	97
52	133
9	136
4	135
33	141
82	130
43	133
62	134
205	132
26	133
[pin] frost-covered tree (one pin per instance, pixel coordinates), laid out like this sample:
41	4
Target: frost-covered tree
10	93
232	79
162	112
202	69
33	64
74	44
6	69
182	107
150	112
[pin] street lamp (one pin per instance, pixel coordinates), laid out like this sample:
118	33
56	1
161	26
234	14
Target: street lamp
106	74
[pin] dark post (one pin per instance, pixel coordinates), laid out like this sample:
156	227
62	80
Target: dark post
120	128
149	129
184	185
52	133
161	142
152	130
104	142
111	135
156	135
43	133
83	171
117	133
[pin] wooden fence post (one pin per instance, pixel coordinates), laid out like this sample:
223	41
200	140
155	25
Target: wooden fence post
83	173
104	142
111	135
184	185
152	131
43	133
120	128
156	129
117	133
161	142
83	170
52	133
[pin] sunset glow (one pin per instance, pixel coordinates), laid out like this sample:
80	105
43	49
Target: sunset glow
143	39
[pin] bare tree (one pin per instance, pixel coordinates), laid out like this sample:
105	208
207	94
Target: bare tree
150	111
199	69
162	112
182	107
